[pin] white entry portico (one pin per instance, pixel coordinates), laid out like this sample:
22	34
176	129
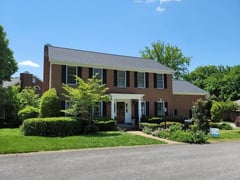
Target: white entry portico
121	106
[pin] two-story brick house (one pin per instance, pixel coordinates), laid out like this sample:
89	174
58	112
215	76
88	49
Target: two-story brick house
137	86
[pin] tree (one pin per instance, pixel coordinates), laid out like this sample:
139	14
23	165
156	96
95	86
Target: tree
50	104
85	97
169	55
223	82
201	114
223	110
8	65
9	106
28	97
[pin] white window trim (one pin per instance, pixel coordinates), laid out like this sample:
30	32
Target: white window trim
163	85
125	83
67	75
144	80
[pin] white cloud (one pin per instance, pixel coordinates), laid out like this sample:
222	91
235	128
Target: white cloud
160	3
166	1
160	9
29	63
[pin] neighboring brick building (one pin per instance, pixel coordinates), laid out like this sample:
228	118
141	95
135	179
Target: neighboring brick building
134	83
30	80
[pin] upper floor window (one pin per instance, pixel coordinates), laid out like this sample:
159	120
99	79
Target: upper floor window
121	78
140	80
71	71
98	73
160	81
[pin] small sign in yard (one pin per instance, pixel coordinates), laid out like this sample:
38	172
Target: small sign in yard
214	132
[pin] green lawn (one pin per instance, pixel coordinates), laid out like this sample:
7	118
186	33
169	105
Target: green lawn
13	141
226	135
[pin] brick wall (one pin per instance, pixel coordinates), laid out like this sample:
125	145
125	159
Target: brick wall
29	80
183	103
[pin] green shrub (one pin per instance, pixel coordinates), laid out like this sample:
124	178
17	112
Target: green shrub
55	126
106	125
28	112
90	129
222	126
168	124
145	119
50	104
156	120
176	133
149	127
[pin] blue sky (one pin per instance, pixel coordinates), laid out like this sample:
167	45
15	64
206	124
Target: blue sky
206	30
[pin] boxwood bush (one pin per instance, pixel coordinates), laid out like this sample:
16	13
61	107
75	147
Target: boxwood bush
55	126
106	125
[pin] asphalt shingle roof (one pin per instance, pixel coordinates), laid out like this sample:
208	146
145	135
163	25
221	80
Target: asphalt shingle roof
58	55
14	81
185	87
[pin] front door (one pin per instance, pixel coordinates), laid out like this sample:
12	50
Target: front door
120	112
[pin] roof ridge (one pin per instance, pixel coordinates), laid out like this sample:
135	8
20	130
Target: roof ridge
97	52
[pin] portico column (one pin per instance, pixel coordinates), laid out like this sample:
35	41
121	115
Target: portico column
139	110
112	108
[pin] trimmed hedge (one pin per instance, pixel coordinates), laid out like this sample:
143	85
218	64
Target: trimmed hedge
149	127
106	125
55	126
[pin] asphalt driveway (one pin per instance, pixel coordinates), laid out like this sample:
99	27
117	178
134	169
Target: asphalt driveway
176	161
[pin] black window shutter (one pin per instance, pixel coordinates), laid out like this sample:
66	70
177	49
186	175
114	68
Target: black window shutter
166	106
90	72
135	79
136	110
79	71
115	78
155	108
104	109
147	108
63	74
155	80
128	78
165	81
104	76
146	80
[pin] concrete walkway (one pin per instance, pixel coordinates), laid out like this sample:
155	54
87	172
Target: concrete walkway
140	133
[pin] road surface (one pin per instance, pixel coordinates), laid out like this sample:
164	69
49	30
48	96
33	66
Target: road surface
177	161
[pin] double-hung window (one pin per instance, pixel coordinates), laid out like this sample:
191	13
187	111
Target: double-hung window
140	80
160	81
121	78
98	73
71	71
160	108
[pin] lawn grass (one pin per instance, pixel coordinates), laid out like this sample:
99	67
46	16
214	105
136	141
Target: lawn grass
13	141
226	135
